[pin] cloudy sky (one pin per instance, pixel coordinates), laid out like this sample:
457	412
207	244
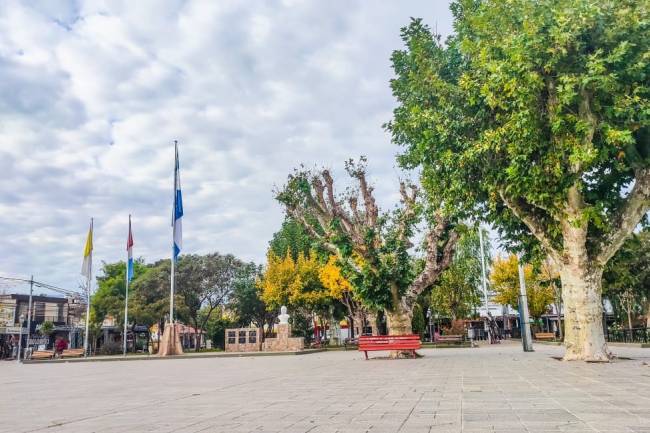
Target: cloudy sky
92	95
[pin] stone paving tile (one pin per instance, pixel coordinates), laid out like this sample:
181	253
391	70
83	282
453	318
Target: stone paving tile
489	389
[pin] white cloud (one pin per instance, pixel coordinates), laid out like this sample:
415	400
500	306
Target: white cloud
92	95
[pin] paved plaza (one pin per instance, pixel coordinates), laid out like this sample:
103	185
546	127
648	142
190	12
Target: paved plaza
487	389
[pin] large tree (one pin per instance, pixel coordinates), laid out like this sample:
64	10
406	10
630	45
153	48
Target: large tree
374	248
246	300
108	300
206	283
535	116
150	300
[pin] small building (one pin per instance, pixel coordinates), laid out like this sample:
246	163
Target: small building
65	313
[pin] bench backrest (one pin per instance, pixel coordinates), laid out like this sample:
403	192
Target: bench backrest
544	334
405	341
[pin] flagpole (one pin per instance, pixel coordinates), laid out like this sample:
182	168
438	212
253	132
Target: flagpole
90	267
126	295
172	277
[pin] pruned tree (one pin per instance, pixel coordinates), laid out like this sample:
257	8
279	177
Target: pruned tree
373	248
535	117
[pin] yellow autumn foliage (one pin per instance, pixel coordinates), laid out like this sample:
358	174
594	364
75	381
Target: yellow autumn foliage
301	282
505	282
332	279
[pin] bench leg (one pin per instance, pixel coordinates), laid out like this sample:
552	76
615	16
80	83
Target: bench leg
413	353
366	355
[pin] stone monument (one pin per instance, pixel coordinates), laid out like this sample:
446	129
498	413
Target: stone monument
284	317
284	342
170	343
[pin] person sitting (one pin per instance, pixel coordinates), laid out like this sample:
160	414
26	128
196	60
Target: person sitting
60	345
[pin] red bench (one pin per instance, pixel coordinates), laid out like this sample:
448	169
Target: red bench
370	343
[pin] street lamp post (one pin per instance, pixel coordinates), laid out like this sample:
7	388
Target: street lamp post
20	337
429	320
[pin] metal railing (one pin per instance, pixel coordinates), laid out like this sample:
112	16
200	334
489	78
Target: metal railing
626	335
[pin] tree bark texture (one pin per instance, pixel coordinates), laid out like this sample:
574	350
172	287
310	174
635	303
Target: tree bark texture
584	338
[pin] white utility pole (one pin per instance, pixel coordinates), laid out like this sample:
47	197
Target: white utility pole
524	319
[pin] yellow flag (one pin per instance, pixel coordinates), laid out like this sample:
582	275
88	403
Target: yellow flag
88	253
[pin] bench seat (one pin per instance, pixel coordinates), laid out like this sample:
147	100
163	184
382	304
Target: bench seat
544	336
372	343
449	338
42	354
72	353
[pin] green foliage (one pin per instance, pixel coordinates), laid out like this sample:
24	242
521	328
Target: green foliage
150	300
291	238
457	293
215	328
380	259
418	323
206	282
301	326
528	100
629	269
111	288
47	328
246	301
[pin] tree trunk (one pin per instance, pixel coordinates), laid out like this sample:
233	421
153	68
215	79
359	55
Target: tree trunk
583	312
629	317
581	277
558	307
647	313
399	323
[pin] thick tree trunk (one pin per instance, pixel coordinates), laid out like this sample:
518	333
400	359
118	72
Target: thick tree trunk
399	323
583	313
581	277
647	313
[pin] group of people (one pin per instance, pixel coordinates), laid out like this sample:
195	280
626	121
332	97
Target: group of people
9	346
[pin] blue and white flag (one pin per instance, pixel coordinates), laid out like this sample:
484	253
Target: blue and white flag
177	218
129	250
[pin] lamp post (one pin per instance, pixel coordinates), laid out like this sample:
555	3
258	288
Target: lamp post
20	337
429	322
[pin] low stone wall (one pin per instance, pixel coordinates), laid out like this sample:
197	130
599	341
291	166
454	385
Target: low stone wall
243	340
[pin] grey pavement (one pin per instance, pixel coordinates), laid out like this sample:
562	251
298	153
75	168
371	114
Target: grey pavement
486	389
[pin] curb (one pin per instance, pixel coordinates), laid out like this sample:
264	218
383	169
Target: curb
118	358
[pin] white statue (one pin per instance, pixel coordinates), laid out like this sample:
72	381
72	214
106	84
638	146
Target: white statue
284	317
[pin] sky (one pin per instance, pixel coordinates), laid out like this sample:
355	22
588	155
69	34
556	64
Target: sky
93	94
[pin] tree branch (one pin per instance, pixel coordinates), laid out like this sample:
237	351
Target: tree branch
433	265
533	223
628	217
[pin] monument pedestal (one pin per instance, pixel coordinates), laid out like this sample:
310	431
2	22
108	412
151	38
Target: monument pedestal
170	342
284	342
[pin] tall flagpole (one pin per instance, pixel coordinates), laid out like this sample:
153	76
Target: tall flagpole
172	277
90	267
126	294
